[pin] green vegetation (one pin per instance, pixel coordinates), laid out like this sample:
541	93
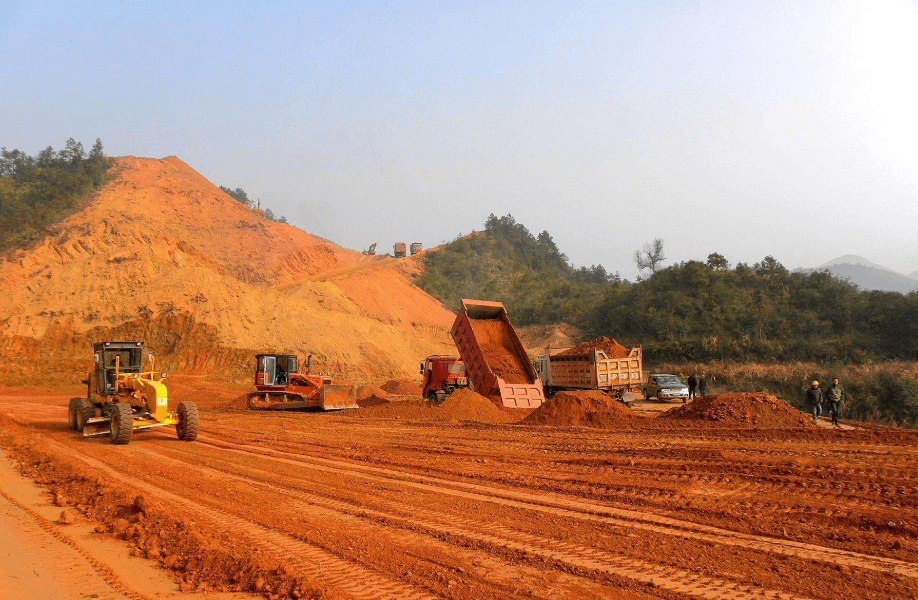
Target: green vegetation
37	191
527	273
690	311
240	196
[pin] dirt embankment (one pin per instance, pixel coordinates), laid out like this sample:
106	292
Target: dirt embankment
401	387
747	409
608	345
162	255
496	342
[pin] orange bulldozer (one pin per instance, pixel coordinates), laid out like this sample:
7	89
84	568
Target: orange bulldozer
280	386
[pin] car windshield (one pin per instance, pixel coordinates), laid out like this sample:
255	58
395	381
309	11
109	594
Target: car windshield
669	381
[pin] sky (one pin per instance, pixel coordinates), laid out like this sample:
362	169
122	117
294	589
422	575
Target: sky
751	129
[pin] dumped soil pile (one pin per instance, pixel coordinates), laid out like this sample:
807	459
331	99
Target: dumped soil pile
591	408
466	405
365	391
495	339
461	405
608	345
752	409
401	387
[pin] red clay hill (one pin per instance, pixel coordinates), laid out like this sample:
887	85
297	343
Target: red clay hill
163	255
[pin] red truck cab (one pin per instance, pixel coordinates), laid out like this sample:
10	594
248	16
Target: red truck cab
442	375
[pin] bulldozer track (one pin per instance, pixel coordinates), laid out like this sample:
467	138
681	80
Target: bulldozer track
563	553
583	510
308	559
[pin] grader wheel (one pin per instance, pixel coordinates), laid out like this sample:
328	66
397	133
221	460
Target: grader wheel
122	423
73	410
86	411
187	426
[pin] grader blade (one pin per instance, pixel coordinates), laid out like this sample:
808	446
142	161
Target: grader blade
338	397
97	426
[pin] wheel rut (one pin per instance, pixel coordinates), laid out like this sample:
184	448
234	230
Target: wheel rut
564	554
309	560
580	509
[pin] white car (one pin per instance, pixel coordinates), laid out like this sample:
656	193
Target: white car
665	387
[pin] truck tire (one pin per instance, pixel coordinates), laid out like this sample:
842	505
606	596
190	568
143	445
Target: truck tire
122	423
87	412
74	409
186	426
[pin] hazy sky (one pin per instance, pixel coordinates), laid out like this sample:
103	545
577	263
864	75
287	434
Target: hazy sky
747	128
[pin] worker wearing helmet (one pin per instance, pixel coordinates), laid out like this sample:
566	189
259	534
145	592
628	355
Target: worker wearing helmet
814	400
835	394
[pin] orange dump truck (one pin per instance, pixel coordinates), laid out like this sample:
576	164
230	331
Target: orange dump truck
495	361
594	369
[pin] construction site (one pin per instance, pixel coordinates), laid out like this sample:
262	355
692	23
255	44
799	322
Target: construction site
190	414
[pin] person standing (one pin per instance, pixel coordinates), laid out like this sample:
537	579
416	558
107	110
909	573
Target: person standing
814	399
692	382
702	385
835	394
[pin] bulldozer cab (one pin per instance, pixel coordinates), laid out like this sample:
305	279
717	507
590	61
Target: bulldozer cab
274	369
128	356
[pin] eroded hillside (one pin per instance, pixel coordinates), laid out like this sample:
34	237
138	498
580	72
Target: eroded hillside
161	254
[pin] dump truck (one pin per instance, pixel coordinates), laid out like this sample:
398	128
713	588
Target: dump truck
399	250
280	386
560	370
495	361
122	399
442	376
416	248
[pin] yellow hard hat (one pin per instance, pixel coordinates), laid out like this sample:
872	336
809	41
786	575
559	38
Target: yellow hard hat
815	383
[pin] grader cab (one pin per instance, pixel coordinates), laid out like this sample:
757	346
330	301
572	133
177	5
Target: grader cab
122	398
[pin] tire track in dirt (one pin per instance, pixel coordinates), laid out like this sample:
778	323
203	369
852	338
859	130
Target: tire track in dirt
564	554
580	509
104	571
308	559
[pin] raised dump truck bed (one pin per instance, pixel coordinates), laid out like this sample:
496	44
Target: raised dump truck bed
495	361
592	370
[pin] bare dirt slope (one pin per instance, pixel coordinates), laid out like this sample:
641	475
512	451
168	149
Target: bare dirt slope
162	254
372	506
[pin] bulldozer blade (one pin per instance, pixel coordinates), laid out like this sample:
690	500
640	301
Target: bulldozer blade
338	397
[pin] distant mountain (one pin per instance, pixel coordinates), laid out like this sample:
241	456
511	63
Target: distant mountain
871	276
854	259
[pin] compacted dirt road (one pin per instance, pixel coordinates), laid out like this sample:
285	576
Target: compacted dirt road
359	506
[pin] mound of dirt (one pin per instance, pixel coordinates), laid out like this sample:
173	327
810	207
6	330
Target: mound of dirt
401	387
461	405
466	405
749	409
591	408
495	338
365	391
608	345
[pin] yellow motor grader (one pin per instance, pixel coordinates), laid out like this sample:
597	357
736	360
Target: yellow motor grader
121	398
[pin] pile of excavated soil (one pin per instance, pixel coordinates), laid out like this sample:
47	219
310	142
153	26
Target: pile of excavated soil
401	387
461	405
365	391
495	339
751	409
608	345
591	408
466	405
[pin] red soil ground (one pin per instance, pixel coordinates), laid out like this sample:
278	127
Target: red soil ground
591	408
363	505
748	409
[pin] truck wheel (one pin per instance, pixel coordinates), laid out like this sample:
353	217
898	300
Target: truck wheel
87	412
122	423
74	409
187	425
